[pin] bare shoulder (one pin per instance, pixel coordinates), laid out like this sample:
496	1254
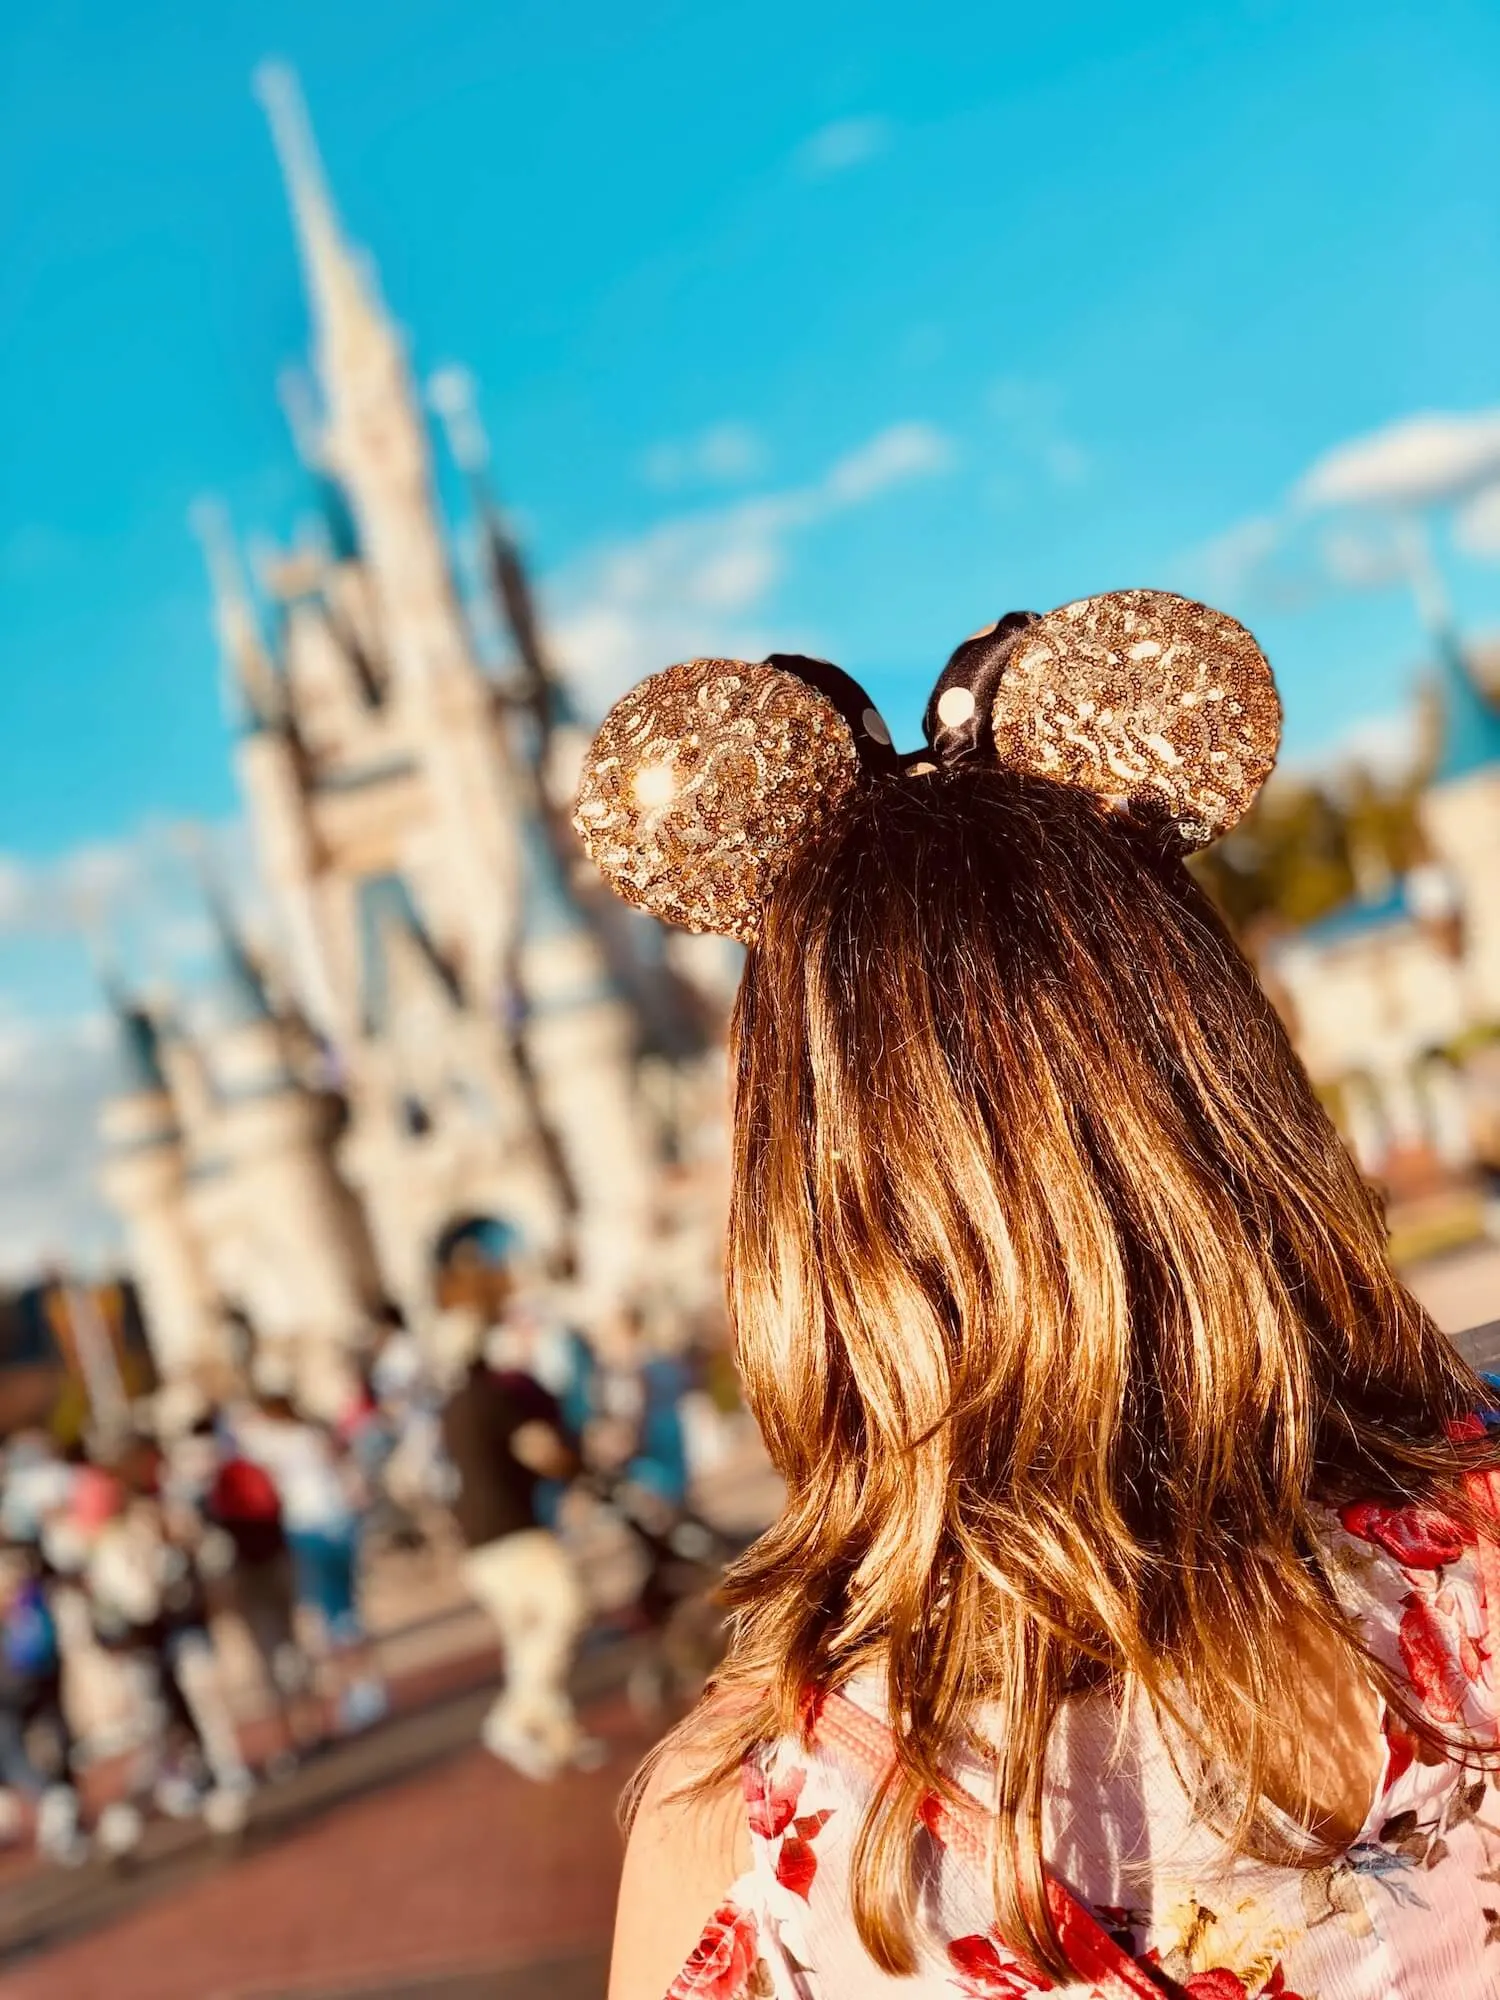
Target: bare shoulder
686	1847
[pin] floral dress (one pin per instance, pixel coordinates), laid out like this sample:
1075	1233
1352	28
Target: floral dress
1410	1910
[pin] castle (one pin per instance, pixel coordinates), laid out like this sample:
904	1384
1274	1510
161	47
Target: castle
1394	999
454	1043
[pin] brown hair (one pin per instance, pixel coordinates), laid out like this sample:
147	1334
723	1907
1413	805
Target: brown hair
1060	1305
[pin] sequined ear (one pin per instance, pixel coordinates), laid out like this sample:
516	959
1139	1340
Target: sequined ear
1146	698
704	780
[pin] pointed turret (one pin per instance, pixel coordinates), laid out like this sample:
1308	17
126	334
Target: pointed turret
540	695
550	914
346	307
1470	728
139	1068
255	692
144	1176
242	998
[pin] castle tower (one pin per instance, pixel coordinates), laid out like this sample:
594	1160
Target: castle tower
269	757
1461	815
375	445
539	694
284	1239
145	1178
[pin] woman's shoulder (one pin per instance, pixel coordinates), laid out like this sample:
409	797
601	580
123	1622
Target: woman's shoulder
689	1844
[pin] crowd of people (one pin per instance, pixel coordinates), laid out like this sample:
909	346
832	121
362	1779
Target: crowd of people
485	1440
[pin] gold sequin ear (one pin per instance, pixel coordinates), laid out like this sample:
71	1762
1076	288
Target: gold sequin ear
1146	698
704	779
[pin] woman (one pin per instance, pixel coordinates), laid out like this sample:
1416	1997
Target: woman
1123	1629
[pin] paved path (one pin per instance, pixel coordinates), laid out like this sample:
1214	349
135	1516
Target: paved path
455	1881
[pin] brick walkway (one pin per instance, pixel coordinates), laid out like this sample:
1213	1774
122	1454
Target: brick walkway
461	1882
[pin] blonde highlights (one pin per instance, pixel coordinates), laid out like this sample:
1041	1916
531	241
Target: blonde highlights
1061	1307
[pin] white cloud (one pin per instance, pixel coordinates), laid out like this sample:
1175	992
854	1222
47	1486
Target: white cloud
721	455
1353	520
904	451
1417	461
76	892
101	888
847	142
1237	560
1385	746
1476	527
1285	562
698	584
1370	551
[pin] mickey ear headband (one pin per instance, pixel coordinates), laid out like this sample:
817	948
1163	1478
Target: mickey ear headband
706	778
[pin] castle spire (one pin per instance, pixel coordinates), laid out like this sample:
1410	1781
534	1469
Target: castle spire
540	695
253	687
338	286
243	998
138	1040
1470	721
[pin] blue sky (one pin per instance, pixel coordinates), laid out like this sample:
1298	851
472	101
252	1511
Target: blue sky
1103	284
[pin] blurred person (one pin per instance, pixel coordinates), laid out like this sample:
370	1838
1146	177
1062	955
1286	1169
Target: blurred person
35	1486
1128	1626
408	1462
398	1371
36	1740
634	1441
148	1603
243	1555
502	1435
321	1495
635	1422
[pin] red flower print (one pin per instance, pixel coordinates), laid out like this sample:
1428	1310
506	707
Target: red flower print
770	1809
1403	1748
1430	1639
1219	1984
986	1972
796	1866
1419	1537
722	1960
1222	1984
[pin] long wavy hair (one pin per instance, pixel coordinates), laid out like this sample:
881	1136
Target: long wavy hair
1061	1307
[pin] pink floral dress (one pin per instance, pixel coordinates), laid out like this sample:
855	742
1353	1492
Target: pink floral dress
1410	1911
